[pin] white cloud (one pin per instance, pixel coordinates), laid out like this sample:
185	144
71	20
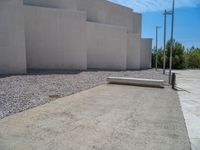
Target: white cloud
156	5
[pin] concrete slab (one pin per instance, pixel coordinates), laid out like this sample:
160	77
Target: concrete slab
136	81
106	117
189	81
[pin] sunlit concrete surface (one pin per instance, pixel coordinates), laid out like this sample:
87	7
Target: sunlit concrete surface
108	117
189	82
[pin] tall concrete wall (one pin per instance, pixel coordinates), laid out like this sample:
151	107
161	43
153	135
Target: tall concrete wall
106	46
133	51
145	56
101	11
55	38
12	38
59	36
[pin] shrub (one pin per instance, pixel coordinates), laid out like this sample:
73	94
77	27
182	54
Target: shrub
193	58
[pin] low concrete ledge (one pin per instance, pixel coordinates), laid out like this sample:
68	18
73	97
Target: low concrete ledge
136	82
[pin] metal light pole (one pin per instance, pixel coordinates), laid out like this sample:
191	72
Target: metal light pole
165	27
172	44
157	27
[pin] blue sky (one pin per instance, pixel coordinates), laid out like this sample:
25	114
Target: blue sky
187	19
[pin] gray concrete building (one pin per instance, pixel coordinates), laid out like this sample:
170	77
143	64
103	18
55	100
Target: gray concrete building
72	34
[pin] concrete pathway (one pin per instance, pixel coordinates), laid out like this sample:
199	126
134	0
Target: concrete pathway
108	117
189	80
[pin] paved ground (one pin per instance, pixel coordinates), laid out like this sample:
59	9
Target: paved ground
189	80
108	117
21	92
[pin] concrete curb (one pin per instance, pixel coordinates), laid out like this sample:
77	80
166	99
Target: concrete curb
136	82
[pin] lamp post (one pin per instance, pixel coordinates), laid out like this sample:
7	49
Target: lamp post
172	44
157	27
165	27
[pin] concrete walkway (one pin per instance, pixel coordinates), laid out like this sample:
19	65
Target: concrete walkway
108	117
189	81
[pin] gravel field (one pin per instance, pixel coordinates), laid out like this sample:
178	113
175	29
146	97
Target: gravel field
21	92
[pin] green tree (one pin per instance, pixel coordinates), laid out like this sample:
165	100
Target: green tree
182	58
193	58
178	55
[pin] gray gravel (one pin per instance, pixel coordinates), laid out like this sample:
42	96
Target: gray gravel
21	92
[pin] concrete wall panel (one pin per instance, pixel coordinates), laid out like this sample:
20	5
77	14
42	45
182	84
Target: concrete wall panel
91	7
133	51
119	15
145	56
12	37
65	4
103	11
137	23
106	46
55	38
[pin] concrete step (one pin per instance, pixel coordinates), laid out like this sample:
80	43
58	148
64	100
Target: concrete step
136	82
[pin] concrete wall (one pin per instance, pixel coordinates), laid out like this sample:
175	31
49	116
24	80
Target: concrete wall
137	23
55	38
145	56
119	15
65	4
133	51
12	38
106	46
102	11
91	7
60	37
